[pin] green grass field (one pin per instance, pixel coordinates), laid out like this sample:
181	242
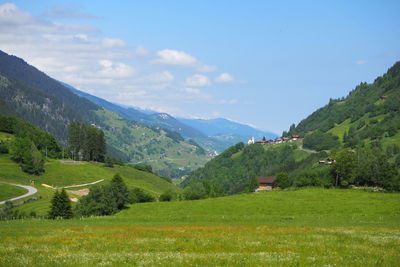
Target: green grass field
308	227
9	191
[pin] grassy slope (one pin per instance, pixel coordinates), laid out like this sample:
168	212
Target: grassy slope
150	144
60	174
9	191
305	227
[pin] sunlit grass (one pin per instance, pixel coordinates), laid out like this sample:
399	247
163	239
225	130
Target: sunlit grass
305	227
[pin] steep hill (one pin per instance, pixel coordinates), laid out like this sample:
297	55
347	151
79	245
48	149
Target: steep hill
369	112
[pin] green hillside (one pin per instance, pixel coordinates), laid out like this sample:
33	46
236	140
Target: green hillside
166	151
308	227
58	174
370	112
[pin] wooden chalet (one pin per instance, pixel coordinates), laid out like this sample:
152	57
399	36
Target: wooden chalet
266	182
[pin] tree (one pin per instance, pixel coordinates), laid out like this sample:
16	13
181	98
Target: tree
25	152
343	169
282	180
119	192
87	142
60	206
166	196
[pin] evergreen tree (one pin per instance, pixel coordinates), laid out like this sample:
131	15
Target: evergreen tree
60	206
119	192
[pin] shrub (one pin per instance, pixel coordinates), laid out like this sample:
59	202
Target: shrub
166	196
138	195
282	180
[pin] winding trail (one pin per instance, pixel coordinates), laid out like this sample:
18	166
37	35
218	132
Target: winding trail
307	150
31	191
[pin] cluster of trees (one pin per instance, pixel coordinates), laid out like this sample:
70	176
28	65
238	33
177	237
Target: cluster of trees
44	142
86	142
102	200
234	170
29	146
364	166
24	152
319	141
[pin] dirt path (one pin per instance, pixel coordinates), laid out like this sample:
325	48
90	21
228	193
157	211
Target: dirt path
307	150
31	191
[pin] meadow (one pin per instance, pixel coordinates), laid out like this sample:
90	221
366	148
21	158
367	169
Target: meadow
306	227
60	174
9	191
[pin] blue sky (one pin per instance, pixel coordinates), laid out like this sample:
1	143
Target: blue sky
266	63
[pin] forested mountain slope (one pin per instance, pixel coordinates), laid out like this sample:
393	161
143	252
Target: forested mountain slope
370	111
30	94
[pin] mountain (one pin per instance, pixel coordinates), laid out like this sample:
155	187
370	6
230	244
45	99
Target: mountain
354	140
368	113
30	94
224	133
213	135
163	120
220	126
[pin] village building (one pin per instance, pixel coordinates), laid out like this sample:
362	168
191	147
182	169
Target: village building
265	183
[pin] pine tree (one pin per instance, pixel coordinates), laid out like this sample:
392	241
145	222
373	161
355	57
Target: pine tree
54	209
119	191
61	206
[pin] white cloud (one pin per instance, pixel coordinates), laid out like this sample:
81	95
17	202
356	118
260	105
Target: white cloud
141	51
228	102
113	42
174	57
361	62
191	90
224	78
197	80
67	12
160	77
207	68
115	70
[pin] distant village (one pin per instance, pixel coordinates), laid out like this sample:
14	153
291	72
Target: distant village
279	140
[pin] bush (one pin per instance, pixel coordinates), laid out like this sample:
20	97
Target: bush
166	196
308	178
3	148
138	195
282	180
143	167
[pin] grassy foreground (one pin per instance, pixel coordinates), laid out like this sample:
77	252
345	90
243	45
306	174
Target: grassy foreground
305	227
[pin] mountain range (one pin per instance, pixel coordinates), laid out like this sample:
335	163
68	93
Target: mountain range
172	146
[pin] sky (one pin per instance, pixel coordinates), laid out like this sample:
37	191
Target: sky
265	63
